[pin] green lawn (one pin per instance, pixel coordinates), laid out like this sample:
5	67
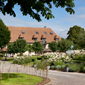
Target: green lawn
19	79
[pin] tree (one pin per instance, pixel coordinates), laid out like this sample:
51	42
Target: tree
37	47
64	45
4	34
11	48
81	40
35	8
29	48
53	46
74	32
19	46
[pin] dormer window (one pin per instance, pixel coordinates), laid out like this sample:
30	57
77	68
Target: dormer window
35	39
21	37
43	39
51	33
57	39
45	32
23	32
37	32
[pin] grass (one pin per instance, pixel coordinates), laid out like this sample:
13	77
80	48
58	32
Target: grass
19	79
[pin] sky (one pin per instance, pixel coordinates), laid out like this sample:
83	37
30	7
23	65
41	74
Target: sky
60	24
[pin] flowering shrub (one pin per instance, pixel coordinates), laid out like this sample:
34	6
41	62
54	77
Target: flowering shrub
58	57
22	60
78	55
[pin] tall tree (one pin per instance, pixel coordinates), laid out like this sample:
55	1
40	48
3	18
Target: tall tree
4	34
81	40
74	32
64	45
29	48
35	8
53	46
37	47
19	46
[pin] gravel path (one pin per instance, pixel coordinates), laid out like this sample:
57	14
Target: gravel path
57	77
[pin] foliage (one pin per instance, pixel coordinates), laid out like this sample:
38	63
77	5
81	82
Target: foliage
78	55
76	47
84	69
53	46
41	65
64	45
19	46
4	34
52	67
58	67
74	33
37	47
13	77
36	7
11	48
81	40
74	67
22	60
58	62
29	48
61	57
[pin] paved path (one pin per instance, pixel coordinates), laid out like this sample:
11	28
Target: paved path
57	77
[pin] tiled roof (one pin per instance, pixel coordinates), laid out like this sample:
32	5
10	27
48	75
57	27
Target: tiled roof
30	32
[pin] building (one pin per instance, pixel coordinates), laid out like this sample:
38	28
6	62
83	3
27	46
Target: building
32	34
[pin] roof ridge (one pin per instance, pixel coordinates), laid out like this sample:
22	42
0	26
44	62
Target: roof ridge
28	27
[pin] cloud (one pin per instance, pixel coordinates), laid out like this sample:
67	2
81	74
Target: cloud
13	21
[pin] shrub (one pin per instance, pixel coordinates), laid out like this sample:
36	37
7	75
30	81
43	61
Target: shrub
83	57
63	67
84	69
74	68
58	67
78	57
22	60
39	58
52	67
58	63
81	67
1	55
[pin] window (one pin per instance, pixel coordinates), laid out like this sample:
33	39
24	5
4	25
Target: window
57	39
23	32
35	39
45	32
21	38
51	33
43	39
37	32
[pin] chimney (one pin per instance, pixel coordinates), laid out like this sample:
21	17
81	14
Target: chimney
44	26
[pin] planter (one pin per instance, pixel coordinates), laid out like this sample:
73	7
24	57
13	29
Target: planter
67	69
48	67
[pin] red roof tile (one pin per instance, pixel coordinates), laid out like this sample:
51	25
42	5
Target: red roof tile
30	32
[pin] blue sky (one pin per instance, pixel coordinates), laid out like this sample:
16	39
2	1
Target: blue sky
60	24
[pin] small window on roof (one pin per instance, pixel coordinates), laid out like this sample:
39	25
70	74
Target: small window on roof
45	32
51	33
23	32
35	39
57	39
37	32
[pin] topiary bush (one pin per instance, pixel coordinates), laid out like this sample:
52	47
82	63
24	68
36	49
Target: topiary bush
58	67
52	67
